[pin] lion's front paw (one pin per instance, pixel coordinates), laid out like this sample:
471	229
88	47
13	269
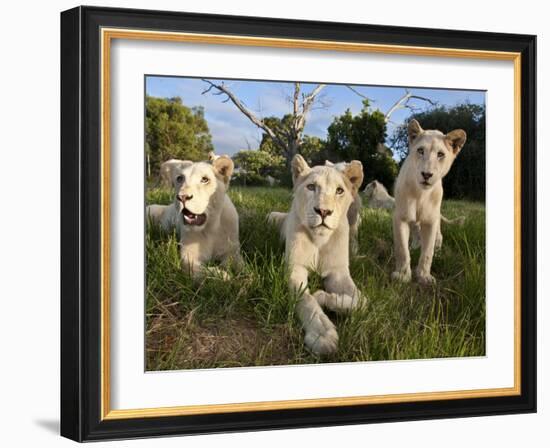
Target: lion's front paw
321	336
338	302
425	278
322	344
402	276
217	273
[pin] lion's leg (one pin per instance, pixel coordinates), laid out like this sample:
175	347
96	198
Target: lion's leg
320	333
415	235
193	266
401	233
353	239
233	260
438	238
354	220
428	234
155	214
341	294
277	218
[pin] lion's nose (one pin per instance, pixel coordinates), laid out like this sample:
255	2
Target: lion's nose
323	212
184	197
426	175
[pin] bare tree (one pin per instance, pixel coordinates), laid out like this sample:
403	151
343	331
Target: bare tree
405	103
287	138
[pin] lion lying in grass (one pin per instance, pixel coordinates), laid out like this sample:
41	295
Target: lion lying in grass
202	213
418	196
316	233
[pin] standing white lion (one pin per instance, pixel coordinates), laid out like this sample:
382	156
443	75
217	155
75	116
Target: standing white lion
418	196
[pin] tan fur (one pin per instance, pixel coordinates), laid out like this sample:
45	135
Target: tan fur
204	186
166	171
314	242
418	198
354	212
378	197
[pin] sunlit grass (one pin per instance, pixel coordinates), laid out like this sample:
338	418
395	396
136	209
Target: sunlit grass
250	320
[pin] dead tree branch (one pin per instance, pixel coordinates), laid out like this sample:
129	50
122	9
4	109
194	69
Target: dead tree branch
404	103
223	90
287	138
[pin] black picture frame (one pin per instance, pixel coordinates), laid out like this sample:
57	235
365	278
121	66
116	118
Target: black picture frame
81	223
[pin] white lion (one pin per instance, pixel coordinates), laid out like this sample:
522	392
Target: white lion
316	233
204	216
378	197
418	196
354	212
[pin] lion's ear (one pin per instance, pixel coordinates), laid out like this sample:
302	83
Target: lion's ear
299	167
168	170
354	172
414	130
223	165
456	140
328	163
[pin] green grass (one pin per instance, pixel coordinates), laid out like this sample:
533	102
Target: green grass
250	320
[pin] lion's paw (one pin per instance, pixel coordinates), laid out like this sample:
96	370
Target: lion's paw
425	279
400	276
321	336
218	274
337	302
322	344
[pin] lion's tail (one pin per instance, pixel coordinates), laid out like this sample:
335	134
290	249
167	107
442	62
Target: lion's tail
460	220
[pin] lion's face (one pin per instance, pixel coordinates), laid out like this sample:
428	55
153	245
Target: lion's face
323	194
432	153
199	188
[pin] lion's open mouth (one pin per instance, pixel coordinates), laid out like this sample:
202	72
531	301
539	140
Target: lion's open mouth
191	219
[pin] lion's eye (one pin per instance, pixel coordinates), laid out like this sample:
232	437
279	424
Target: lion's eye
205	180
339	190
420	151
179	179
311	187
440	155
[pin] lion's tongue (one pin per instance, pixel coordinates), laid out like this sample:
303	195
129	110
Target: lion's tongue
192	219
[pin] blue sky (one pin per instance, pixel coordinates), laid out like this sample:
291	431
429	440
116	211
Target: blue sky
232	131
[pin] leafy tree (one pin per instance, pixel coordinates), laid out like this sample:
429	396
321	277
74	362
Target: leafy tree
310	146
466	179
174	131
281	126
253	166
312	149
361	137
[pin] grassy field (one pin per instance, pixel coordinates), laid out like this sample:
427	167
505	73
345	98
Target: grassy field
250	320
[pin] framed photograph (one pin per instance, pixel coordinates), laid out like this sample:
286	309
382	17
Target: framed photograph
276	224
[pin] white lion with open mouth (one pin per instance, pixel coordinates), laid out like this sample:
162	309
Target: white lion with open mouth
204	216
